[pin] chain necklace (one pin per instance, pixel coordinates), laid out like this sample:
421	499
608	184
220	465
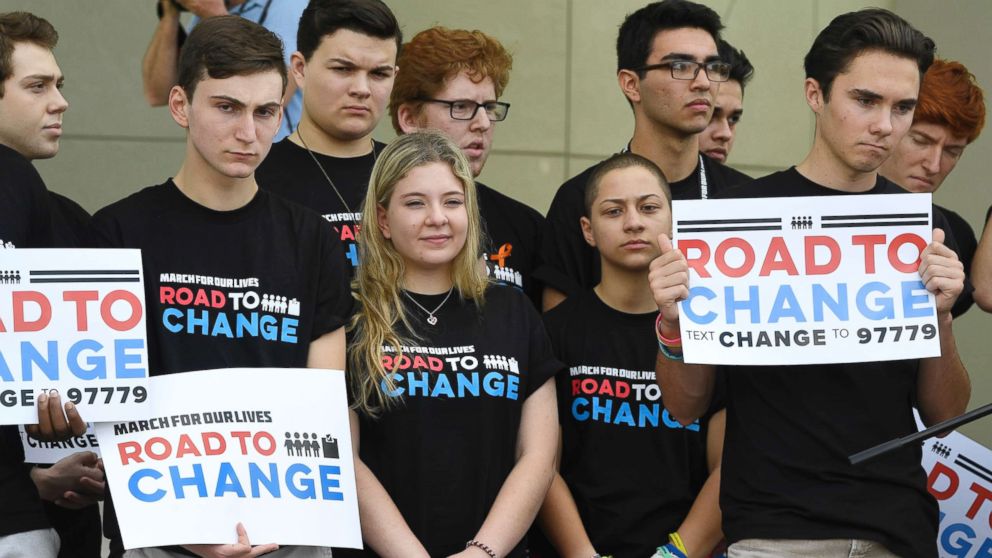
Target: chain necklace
431	318
324	172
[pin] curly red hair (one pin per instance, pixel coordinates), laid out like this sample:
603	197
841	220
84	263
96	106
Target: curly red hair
949	96
438	54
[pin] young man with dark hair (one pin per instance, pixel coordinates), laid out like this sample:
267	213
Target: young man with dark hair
787	487
452	80
717	139
949	116
629	474
345	65
669	70
212	228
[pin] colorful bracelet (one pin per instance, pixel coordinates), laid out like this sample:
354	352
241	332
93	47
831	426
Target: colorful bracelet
672	343
667	351
675	539
485	548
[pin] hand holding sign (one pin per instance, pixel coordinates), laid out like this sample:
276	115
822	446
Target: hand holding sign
942	273
53	425
669	281
241	549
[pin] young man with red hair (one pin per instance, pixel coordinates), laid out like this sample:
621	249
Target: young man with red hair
950	115
451	81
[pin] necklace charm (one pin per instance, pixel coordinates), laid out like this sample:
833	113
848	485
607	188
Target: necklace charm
432	319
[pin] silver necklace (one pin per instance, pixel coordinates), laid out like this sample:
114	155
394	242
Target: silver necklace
324	172
431	318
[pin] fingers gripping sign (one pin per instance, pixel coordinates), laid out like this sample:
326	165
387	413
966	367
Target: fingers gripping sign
669	281
53	424
941	272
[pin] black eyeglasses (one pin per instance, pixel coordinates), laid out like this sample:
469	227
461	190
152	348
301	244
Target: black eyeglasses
466	110
688	69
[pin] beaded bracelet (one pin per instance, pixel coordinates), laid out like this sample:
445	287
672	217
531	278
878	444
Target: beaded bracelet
485	548
672	343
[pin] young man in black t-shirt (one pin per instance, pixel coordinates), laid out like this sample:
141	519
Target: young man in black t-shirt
949	116
345	67
452	81
787	486
629	473
669	70
234	276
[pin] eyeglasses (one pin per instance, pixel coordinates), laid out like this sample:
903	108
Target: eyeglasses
688	69
466	110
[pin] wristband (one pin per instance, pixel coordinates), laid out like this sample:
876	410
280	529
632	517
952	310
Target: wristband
485	548
667	352
675	539
673	343
669	551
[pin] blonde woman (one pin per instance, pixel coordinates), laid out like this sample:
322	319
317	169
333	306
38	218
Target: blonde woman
454	413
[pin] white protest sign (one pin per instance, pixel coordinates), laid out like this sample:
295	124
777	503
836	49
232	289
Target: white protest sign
36	451
959	476
267	447
805	280
72	321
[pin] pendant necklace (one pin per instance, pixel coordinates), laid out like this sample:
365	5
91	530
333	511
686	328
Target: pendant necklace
431	318
324	172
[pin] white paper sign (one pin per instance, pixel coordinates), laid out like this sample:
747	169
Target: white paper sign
52	452
805	280
270	448
72	321
959	475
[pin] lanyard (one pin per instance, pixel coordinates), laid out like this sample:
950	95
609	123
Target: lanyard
703	183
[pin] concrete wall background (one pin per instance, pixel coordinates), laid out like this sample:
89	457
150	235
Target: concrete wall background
567	110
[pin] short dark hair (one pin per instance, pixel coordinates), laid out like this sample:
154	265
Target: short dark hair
325	17
22	27
639	29
617	162
741	69
851	34
225	46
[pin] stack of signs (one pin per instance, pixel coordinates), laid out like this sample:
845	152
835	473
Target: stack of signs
269	448
72	321
959	475
805	280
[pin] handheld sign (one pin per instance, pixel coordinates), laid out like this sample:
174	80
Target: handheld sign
267	447
36	451
72	321
805	280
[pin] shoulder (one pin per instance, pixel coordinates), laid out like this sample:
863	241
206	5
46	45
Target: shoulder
139	204
723	175
571	194
489	197
570	311
775	184
17	172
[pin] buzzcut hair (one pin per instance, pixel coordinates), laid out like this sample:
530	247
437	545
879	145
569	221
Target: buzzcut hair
741	69
325	17
950	96
851	34
22	27
639	29
226	46
619	161
438	54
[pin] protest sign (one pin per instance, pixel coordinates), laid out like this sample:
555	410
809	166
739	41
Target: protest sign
805	280
959	475
36	451
270	448
72	321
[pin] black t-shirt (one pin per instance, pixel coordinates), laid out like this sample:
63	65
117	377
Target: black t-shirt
962	236
445	450
70	222
513	238
24	223
633	471
291	172
568	263
790	430
250	287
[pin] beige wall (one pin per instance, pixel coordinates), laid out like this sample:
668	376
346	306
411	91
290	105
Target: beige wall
567	111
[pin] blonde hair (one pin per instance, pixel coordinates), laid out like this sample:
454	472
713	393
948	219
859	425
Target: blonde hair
380	274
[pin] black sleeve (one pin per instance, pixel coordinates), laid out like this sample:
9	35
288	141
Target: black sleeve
25	215
542	364
568	264
334	300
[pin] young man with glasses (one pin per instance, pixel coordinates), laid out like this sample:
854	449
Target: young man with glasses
787	486
717	140
669	69
345	67
451	81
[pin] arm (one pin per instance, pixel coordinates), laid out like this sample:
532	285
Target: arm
383	526
550	298
700	530
981	270
943	387
327	351
688	388
158	67
559	519
524	489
